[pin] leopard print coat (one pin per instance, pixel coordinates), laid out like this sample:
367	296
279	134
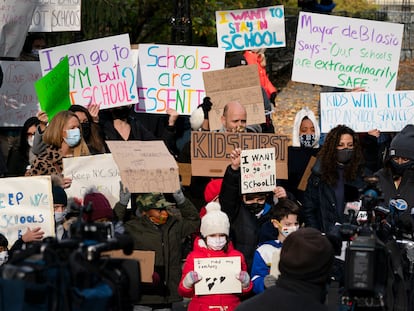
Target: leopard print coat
49	162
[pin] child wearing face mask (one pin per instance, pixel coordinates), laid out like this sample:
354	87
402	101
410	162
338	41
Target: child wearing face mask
214	242
284	217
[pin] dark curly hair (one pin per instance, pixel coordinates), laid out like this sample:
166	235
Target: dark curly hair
327	156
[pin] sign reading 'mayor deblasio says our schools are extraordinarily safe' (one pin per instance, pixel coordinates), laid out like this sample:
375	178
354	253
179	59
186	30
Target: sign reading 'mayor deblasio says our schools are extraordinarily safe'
255	28
347	52
100	71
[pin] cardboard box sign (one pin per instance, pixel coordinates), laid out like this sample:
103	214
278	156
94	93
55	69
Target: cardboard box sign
210	151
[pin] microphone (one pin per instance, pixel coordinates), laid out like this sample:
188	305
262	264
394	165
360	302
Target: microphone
352	209
123	242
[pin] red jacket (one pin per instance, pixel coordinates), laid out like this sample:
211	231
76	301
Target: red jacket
253	58
222	302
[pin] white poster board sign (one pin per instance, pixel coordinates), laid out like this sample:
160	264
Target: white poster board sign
26	202
251	28
18	99
170	76
16	16
100	71
60	15
364	111
219	275
274	268
258	170
99	171
347	52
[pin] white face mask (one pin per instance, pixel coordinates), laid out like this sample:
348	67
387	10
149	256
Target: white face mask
216	243
30	141
4	255
288	230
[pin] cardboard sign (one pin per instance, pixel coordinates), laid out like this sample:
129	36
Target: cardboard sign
145	166
18	99
258	170
170	76
364	111
57	16
251	28
347	52
210	151
241	84
146	261
100	71
14	24
219	275
99	171
26	202
185	173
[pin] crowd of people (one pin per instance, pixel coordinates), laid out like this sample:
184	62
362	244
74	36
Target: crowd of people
286	239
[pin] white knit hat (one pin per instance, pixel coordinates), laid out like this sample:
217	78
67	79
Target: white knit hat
215	221
197	119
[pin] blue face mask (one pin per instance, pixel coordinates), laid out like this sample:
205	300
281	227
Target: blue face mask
73	137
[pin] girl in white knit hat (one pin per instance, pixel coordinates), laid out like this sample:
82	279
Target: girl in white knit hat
214	242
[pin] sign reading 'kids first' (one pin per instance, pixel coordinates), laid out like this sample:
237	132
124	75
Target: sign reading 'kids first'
100	71
247	29
347	52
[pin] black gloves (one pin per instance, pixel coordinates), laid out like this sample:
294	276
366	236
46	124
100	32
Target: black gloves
273	97
206	106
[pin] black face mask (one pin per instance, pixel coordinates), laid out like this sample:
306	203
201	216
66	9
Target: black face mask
344	155
86	129
254	208
399	169
120	113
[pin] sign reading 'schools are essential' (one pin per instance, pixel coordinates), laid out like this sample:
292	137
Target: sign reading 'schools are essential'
255	28
171	76
26	202
100	71
365	111
347	52
258	170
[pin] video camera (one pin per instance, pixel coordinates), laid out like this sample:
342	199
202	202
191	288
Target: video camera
74	273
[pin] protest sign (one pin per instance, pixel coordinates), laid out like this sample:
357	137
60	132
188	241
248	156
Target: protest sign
241	84
18	99
218	275
14	24
170	76
98	171
145	166
274	267
53	89
347	52
26	202
364	111
210	151
251	28
100	71
258	170
56	16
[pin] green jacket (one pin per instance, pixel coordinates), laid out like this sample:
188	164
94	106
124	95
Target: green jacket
166	241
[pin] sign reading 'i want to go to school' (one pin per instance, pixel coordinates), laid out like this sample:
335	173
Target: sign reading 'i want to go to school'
347	52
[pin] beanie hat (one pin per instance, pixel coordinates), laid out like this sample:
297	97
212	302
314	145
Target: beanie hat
402	144
306	255
147	201
212	189
215	221
59	195
197	119
101	208
236	60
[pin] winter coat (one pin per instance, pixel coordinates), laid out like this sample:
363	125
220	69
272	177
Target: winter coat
245	228
262	263
166	241
217	302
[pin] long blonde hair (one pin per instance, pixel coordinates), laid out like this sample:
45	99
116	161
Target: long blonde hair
54	133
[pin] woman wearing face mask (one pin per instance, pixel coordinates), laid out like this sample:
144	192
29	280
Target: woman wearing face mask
21	156
396	179
63	139
214	242
284	217
335	180
305	145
